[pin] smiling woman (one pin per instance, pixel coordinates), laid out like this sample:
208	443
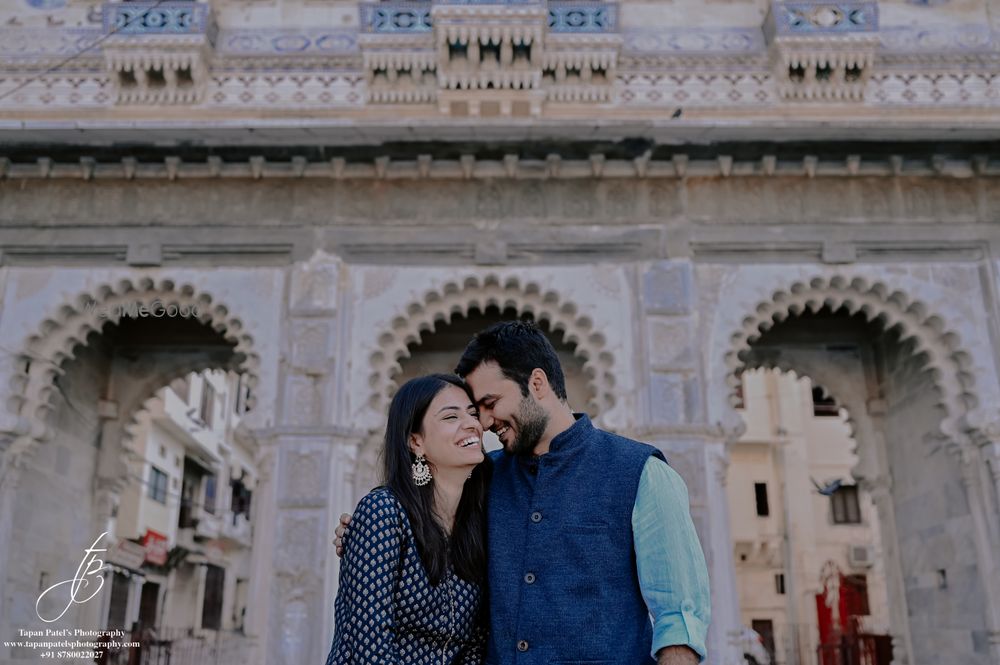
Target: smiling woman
414	566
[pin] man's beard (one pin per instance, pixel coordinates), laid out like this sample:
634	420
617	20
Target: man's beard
531	421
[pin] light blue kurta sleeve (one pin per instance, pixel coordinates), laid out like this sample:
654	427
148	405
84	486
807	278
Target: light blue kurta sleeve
673	576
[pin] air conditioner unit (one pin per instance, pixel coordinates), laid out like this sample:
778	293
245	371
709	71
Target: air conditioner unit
861	556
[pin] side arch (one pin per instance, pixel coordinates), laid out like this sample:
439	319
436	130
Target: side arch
931	341
74	325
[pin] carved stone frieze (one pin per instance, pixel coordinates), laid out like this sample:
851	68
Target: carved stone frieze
310	341
299	536
315	283
304	478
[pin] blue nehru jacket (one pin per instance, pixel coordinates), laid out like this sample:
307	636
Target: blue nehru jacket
563	582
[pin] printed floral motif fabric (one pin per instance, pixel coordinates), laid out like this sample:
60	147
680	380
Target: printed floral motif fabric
387	612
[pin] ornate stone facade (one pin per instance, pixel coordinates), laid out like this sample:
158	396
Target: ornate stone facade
677	189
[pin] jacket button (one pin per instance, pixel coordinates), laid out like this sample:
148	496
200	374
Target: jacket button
522	645
529	578
536	517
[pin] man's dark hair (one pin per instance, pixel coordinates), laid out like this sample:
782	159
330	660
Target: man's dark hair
518	347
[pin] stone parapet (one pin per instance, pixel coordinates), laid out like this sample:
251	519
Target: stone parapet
822	50
158	52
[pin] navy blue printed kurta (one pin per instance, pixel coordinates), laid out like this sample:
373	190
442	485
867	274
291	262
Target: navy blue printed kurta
387	612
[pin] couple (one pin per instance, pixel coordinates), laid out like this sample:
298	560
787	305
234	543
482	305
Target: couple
571	546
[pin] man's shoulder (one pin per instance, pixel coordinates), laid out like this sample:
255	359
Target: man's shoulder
625	445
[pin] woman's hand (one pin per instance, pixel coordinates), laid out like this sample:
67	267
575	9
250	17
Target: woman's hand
345	521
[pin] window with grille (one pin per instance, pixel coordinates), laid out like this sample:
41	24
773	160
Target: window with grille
211	610
119	600
760	496
846	508
157	485
210	485
207	402
823	405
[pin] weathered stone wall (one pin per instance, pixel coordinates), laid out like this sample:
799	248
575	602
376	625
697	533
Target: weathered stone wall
944	589
54	505
406	201
650	278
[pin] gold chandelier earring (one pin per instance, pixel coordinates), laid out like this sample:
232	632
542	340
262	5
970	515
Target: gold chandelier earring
421	472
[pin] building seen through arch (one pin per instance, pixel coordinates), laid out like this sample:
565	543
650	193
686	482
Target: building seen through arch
806	538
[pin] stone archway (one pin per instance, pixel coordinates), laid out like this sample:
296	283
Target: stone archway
190	330
478	293
891	308
473	292
909	393
70	327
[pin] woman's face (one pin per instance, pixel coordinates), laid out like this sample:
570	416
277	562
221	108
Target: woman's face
450	435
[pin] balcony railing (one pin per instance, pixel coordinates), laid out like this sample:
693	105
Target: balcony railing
237	528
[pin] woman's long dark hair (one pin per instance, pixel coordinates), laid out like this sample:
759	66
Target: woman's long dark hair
467	550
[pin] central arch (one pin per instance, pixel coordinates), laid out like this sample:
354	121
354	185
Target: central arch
459	297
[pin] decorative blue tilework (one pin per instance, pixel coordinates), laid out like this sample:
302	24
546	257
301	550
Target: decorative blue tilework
46	4
149	18
281	41
804	17
925	38
28	43
580	16
488	2
693	40
396	17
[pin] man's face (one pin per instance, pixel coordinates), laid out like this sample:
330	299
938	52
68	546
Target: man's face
518	421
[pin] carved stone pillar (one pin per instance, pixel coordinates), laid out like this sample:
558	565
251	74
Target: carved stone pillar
880	489
702	458
986	550
726	621
10	476
989	447
262	552
313	464
876	481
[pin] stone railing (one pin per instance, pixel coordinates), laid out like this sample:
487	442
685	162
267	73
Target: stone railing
159	52
489	57
822	50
